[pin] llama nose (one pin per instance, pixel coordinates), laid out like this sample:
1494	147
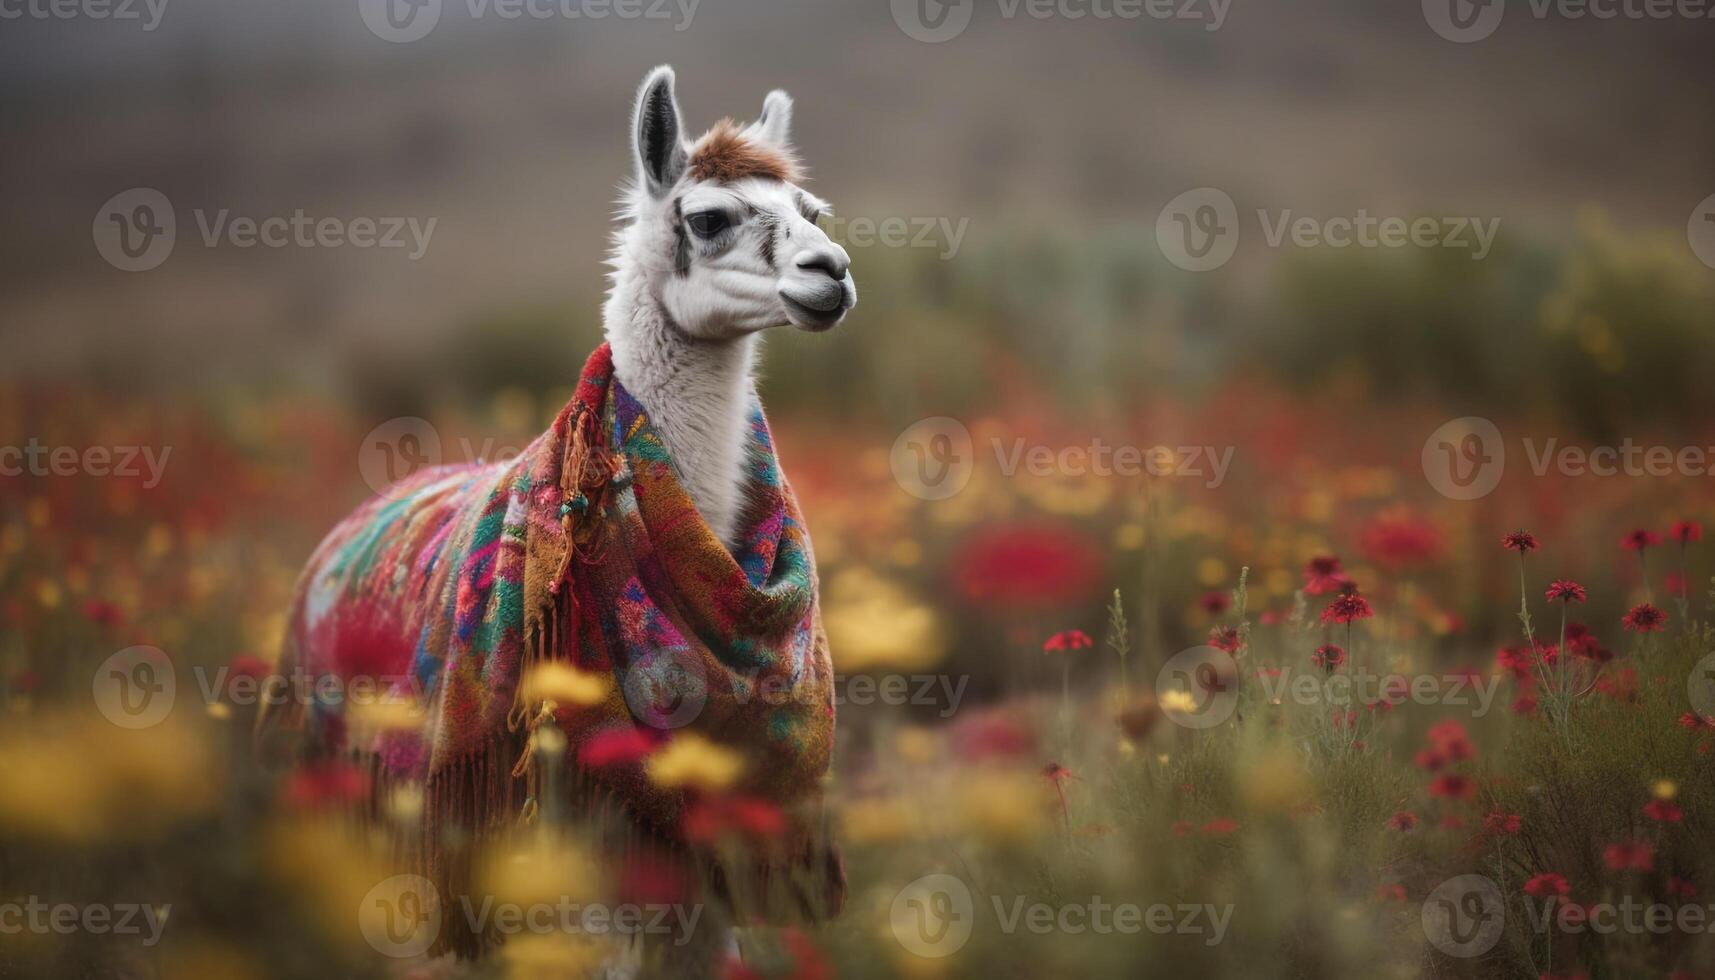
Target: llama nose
831	259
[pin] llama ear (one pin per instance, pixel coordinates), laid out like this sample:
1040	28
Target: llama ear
775	123
655	133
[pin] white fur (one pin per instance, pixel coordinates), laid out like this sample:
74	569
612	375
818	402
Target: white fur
685	340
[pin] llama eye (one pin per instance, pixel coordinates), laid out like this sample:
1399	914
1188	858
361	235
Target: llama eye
708	224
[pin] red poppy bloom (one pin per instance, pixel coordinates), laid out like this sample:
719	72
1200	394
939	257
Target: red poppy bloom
1663	811
1346	608
1687	532
1323	574
1644	618
1640	539
1067	640
1520	541
1566	590
1547	885
1501	823
1629	856
1403	820
1328	657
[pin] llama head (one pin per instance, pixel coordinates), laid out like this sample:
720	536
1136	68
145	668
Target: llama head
724	239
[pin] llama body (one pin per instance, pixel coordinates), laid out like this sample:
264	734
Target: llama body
648	531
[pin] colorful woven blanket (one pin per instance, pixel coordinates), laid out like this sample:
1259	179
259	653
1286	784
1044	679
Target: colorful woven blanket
584	550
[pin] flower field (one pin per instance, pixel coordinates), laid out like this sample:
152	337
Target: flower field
1319	720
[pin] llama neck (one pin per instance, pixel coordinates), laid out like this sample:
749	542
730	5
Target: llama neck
696	393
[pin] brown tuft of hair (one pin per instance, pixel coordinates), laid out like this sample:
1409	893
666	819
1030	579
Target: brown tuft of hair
724	154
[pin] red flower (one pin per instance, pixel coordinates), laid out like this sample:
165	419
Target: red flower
1640	539
1181	828
1520	541
1691	721
1216	602
1391	892
1547	885
1220	827
1515	660
1687	532
1450	739
650	879
1583	643
1525	704
993	736
808	961
1674	582
1067	640
1452	785
1501	823
1401	540
1663	811
708	820
1323	574
1681	887
1630	856
1026	567
1429	760
1403	820
1328	657
615	747
1566	590
1346	608
1644	618
1226	638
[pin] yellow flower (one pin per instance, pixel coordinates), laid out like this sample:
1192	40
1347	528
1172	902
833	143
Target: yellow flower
1182	702
561	682
1665	789
694	761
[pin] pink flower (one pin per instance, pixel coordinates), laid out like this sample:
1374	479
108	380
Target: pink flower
1629	856
1066	640
1547	885
1640	539
1687	532
1347	608
1323	574
1566	590
1644	618
1522	542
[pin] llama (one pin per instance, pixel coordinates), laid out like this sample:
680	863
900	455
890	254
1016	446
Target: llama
638	582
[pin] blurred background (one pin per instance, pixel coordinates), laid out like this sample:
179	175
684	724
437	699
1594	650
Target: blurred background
1028	168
